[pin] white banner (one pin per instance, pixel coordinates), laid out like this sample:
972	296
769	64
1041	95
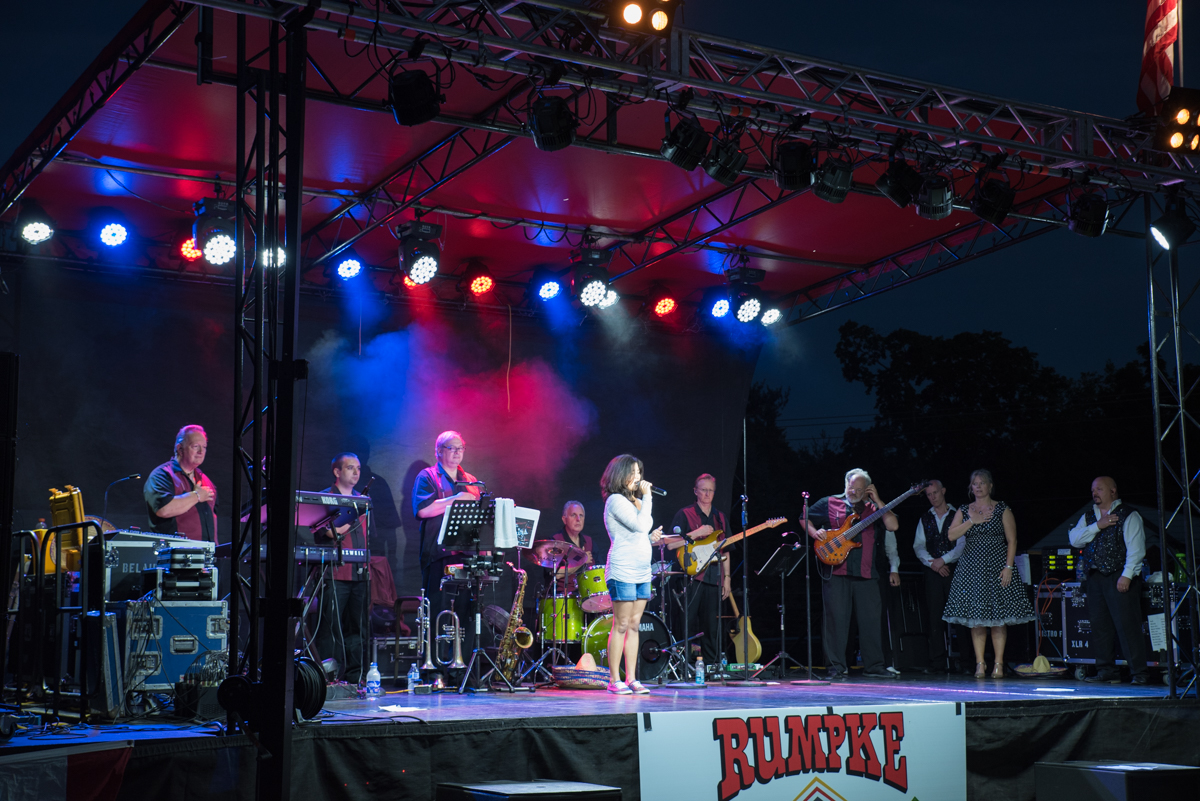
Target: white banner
896	752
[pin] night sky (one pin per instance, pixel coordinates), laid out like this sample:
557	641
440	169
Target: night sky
1077	303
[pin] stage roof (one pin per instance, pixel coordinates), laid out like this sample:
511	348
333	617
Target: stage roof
137	137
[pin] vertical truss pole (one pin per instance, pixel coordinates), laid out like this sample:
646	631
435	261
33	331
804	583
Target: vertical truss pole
236	533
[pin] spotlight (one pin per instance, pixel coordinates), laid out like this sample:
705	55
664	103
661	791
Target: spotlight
631	13
936	199
745	303
189	251
1173	228
661	302
793	165
348	267
409	283
545	285
419	254
771	316
1089	214
644	16
279	259
213	230
724	162
719	308
589	282
659	20
610	299
832	182
477	280
114	234
1179	123
899	183
685	144
34	224
551	123
993	199
413	97
714	304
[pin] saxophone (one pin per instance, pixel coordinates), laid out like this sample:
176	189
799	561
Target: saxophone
516	637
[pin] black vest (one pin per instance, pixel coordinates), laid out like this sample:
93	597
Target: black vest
937	538
1106	551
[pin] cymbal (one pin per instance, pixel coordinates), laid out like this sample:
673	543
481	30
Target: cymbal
552	553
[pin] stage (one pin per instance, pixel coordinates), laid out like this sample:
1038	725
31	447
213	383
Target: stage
402	746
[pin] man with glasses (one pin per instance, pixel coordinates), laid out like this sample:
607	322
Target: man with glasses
711	584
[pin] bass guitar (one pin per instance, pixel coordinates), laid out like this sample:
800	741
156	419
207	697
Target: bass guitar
696	555
835	546
740	648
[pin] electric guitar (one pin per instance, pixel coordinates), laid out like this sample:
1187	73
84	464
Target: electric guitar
835	546
695	555
739	649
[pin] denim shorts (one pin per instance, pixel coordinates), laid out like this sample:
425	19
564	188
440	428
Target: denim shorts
628	591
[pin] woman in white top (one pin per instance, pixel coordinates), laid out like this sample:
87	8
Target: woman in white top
627	519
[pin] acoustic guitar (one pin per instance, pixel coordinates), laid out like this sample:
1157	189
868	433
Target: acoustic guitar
835	547
699	554
739	648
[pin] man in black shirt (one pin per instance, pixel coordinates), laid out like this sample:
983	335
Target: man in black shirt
180	499
711	584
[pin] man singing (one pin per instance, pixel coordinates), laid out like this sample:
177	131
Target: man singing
179	498
853	586
344	600
1114	544
933	547
711	583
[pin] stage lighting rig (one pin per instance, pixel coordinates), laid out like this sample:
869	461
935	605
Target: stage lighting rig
771	315
477	280
660	301
610	299
724	162
936	198
589	281
546	285
715	303
793	165
832	181
685	144
419	253
348	266
1179	123
414	98
993	198
1173	228
644	16
213	230
1088	215
745	303
34	224
900	183
188	250
551	123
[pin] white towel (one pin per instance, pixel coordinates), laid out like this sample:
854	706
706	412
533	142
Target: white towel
506	523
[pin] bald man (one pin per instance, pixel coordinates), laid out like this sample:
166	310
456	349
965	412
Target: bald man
1114	544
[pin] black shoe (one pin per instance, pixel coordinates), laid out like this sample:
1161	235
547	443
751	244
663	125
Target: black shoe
1105	677
880	674
837	675
1141	679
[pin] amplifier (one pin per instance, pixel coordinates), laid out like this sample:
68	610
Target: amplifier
181	585
164	639
1077	627
1058	564
116	574
383	653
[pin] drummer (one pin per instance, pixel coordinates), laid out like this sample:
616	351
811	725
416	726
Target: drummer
572	531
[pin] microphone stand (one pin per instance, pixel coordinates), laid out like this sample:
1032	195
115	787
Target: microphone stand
808	596
110	486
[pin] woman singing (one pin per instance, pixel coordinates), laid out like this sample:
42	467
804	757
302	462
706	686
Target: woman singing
985	593
627	519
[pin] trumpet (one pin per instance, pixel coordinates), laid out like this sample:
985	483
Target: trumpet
457	662
424	635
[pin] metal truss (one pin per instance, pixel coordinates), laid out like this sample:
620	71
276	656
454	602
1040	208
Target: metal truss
773	90
1173	351
150	28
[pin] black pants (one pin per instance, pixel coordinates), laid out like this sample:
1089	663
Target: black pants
937	589
1115	615
842	597
343	620
704	604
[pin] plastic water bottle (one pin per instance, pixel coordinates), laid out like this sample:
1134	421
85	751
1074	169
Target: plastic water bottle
724	664
414	678
374	682
699	671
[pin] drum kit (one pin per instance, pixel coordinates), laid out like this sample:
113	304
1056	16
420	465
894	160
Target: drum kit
578	612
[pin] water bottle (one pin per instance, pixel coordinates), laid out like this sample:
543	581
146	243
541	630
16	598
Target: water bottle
699	671
414	678
374	682
724	664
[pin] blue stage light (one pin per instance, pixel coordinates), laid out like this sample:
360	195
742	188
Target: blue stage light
720	308
348	268
114	234
549	289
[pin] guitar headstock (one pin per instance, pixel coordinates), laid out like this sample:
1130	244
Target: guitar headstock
775	522
920	485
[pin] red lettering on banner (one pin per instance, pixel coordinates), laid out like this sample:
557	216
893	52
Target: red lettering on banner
736	772
894	775
835	729
764	734
862	760
806	752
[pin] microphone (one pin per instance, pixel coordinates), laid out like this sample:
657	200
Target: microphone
469	484
677	530
658	490
132	477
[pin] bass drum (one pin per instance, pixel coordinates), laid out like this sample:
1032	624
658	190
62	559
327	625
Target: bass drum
653	641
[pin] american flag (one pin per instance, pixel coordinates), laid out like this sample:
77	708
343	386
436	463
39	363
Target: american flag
1158	54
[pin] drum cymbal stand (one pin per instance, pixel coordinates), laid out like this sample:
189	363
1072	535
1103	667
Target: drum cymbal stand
554	653
677	663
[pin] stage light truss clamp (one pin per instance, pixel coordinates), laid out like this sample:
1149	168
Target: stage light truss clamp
726	75
149	29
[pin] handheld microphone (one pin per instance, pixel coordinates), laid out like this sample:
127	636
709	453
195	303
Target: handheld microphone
677	530
658	490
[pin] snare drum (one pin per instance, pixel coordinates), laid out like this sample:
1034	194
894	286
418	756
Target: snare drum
562	620
593	590
653	638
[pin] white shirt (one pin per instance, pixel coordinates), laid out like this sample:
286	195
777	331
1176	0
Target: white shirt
893	553
919	541
1135	538
628	528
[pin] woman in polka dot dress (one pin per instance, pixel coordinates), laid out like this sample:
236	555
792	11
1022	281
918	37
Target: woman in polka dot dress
986	593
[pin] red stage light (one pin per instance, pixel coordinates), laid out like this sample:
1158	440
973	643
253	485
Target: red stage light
409	283
482	284
664	307
188	250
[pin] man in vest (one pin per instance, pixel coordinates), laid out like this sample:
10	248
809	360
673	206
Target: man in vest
1114	545
179	498
711	584
345	599
853	586
934	549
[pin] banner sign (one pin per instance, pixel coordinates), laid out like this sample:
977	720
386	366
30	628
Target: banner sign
897	752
